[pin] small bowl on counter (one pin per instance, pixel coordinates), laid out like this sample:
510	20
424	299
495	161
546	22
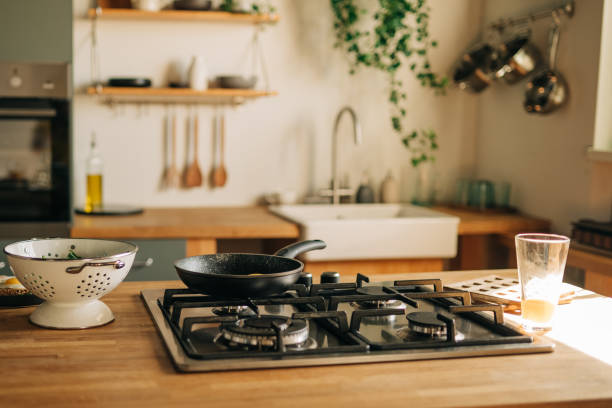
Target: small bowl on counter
70	274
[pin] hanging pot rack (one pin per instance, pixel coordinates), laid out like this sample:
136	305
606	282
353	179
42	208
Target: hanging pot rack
567	10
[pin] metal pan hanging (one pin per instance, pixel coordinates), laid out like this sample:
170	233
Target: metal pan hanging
547	90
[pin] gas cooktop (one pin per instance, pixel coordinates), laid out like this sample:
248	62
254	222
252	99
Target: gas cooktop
331	323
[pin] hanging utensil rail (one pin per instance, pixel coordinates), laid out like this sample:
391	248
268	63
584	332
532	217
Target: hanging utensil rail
567	9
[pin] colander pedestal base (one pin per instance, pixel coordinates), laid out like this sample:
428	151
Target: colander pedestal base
54	315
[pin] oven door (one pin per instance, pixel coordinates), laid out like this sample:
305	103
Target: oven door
34	160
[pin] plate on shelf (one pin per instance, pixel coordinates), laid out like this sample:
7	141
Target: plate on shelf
130	82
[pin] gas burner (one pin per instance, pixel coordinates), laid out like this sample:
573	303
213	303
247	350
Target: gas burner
242	311
259	333
426	323
423	326
377	304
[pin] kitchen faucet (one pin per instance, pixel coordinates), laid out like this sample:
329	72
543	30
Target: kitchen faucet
336	191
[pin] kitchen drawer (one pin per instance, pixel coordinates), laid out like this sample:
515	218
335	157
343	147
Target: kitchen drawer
155	259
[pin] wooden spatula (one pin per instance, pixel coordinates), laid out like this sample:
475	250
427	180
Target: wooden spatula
193	175
219	173
171	175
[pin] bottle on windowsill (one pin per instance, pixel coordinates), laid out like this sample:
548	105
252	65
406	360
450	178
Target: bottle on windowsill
365	193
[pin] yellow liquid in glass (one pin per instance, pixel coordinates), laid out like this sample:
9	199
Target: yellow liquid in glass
93	199
537	310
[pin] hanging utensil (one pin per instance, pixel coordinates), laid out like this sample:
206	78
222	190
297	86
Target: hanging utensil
164	182
171	175
518	58
193	174
220	173
215	148
547	91
473	71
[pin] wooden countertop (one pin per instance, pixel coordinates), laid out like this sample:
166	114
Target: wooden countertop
201	223
257	222
125	363
479	223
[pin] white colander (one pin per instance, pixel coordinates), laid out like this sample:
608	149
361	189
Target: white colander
70	287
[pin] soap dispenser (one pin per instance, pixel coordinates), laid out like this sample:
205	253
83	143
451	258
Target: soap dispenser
365	193
389	189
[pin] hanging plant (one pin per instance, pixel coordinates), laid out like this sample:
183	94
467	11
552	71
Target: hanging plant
399	37
421	145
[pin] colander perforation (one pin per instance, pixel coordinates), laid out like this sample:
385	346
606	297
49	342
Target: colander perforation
39	286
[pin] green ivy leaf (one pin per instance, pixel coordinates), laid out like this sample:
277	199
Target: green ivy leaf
393	97
395	122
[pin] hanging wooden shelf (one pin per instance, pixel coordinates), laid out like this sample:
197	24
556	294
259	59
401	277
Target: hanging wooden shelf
215	96
220	16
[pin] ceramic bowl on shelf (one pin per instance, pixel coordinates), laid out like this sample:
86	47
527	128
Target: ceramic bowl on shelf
70	274
196	5
236	82
147	5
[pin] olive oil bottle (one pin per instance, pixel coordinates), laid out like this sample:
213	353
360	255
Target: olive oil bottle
93	199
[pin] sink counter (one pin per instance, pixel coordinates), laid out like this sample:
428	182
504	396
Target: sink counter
125	364
482	223
201	227
257	222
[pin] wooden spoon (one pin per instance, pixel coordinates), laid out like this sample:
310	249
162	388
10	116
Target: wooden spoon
172	177
220	174
193	175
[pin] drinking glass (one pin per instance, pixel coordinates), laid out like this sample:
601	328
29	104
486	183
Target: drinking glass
541	263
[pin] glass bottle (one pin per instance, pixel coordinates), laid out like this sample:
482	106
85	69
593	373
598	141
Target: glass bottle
93	199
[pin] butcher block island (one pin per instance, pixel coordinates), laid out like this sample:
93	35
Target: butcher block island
126	363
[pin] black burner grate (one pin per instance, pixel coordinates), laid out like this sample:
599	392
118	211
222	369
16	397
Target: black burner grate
338	325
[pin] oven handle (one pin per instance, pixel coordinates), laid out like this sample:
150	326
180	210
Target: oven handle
21	112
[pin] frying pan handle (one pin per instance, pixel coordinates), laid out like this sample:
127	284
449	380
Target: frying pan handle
293	250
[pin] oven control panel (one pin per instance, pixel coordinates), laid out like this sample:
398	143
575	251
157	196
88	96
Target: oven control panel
34	80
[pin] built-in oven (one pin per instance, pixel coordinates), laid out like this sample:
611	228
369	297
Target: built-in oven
34	149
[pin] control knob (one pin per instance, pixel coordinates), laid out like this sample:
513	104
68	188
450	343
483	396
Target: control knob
305	279
330	277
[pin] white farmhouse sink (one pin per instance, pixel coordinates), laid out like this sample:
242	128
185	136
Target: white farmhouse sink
374	231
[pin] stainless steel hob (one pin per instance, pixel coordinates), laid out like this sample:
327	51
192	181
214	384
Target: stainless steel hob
331	323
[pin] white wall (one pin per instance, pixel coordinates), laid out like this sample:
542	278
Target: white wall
544	157
277	142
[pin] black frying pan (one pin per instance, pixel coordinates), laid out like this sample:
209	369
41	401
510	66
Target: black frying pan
245	275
